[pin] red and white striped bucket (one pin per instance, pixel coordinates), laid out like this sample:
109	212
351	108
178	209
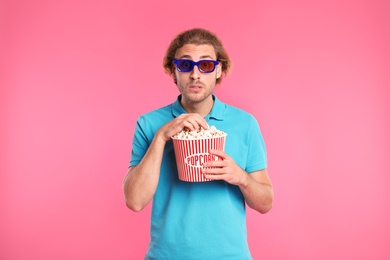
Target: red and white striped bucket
192	153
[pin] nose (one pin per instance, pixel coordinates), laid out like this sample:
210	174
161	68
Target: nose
195	73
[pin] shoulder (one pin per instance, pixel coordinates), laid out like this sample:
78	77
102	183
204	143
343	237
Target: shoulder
150	122
156	114
233	112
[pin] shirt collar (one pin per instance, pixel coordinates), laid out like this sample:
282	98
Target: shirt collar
217	112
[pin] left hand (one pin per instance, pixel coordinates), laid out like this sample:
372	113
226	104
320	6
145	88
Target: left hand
226	169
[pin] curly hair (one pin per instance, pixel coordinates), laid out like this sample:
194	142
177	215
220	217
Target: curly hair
197	36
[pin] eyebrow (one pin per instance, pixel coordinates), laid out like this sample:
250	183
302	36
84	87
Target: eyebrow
201	57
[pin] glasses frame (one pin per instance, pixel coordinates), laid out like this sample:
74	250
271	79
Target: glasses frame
195	63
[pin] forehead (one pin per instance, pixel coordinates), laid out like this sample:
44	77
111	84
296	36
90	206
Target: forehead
196	52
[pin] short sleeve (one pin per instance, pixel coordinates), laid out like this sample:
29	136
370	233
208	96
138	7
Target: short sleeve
140	142
257	155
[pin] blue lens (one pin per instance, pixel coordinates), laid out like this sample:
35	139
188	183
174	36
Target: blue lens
184	65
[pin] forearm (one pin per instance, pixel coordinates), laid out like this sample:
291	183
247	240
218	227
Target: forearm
259	196
141	181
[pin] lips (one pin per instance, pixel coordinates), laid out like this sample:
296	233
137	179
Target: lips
196	86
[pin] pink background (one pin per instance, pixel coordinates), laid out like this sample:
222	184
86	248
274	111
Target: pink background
75	75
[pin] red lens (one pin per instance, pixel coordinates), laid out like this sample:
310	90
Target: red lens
206	66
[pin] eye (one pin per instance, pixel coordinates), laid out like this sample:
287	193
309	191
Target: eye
207	65
185	65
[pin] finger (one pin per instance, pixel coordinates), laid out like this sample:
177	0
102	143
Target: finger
202	122
195	124
215	164
199	121
213	177
219	153
190	125
213	171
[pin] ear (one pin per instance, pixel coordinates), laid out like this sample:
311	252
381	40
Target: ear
173	76
219	70
171	72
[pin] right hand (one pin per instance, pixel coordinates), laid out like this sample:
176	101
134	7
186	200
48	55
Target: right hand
191	122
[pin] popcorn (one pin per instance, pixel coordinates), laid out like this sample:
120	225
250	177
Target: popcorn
192	151
200	133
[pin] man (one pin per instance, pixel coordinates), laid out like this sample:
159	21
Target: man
204	220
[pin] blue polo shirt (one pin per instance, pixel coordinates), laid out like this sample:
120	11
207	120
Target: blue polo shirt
204	220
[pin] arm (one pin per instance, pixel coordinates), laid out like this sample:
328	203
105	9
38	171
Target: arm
258	191
140	182
256	187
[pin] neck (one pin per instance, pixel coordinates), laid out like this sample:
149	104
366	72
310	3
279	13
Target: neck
203	108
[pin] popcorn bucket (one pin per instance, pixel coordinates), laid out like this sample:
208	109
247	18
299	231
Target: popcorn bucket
191	154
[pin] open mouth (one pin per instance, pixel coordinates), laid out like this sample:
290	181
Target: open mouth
196	87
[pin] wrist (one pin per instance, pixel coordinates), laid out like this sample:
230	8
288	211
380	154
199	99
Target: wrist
245	180
160	138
